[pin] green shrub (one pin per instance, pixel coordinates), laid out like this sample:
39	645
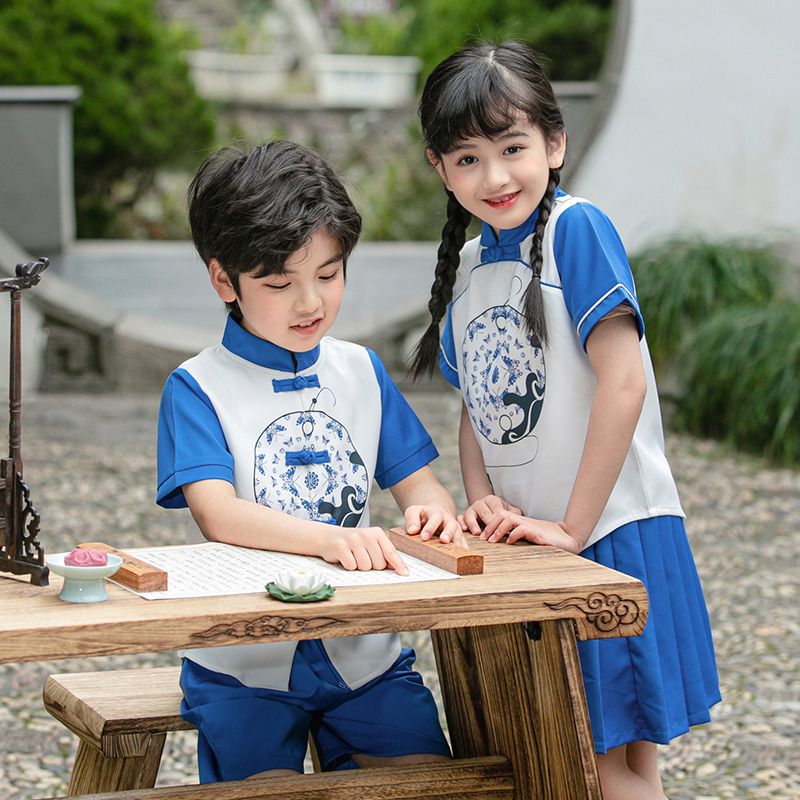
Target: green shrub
572	34
681	283
741	376
138	110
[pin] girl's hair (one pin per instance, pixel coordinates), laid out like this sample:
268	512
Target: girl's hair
253	210
479	92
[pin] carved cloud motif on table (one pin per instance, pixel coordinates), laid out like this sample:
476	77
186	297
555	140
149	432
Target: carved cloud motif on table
264	627
607	612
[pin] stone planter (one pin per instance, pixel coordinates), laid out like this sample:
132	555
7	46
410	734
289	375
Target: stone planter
235	77
365	81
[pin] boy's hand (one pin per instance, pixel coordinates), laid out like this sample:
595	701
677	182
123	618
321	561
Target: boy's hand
539	531
483	510
427	520
362	548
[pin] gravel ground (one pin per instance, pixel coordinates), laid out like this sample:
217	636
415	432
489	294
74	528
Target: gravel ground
91	467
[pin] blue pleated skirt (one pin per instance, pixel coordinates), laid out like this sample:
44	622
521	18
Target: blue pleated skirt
652	687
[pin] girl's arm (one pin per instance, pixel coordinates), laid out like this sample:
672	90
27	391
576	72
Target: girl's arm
473	471
427	506
615	355
224	517
483	502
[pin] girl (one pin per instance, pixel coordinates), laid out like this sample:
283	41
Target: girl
560	437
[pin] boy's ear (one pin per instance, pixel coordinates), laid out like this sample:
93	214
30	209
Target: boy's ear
436	163
557	149
221	282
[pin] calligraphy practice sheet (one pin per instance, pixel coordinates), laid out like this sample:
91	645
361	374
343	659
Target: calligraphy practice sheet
212	568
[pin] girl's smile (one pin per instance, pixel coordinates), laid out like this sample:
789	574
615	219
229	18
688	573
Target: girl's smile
502	202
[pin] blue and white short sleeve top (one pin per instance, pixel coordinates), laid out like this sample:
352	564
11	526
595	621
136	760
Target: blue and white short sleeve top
529	405
304	433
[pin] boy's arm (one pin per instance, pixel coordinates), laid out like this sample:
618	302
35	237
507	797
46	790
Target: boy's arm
224	517
427	506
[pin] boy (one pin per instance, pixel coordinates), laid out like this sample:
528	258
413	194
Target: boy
272	439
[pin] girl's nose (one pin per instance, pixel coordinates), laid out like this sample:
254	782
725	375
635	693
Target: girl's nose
495	176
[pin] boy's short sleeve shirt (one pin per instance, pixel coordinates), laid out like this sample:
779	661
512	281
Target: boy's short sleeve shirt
192	444
249	412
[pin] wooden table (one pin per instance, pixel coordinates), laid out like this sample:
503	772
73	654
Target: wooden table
508	688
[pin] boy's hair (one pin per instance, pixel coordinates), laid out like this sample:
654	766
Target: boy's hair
478	92
252	210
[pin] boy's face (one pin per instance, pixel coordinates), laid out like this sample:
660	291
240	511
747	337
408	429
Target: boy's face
293	310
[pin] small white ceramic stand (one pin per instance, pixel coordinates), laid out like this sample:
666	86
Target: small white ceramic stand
83	584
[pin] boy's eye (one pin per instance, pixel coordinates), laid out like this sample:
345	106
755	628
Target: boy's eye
330	276
467	160
277	287
513	149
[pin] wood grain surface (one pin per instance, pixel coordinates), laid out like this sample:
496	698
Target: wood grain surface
473	779
519	582
449	557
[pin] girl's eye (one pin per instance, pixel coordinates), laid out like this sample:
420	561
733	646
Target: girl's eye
467	160
513	149
329	277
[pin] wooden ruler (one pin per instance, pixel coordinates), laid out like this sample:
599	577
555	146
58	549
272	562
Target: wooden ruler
133	573
445	556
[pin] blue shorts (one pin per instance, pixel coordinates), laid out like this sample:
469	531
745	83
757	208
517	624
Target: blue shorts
244	730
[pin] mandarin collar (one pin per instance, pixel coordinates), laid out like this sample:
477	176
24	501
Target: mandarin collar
266	354
512	236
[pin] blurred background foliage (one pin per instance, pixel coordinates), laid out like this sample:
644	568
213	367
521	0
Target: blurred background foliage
572	33
724	334
722	328
138	112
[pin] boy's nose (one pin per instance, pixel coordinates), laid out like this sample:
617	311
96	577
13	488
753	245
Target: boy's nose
308	300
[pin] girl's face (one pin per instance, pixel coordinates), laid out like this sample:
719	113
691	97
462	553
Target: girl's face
502	180
296	308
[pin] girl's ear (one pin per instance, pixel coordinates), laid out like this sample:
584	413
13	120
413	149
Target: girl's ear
436	163
221	282
556	149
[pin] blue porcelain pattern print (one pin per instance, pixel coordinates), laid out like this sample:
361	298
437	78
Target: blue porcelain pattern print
505	375
334	491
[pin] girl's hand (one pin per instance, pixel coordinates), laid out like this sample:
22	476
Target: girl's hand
426	520
361	548
481	511
538	531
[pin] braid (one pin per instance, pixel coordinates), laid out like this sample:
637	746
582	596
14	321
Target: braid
453	236
533	305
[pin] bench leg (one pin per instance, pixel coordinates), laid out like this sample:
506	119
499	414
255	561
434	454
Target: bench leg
505	694
93	772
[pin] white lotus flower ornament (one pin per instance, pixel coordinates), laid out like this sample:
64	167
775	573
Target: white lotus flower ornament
300	585
300	581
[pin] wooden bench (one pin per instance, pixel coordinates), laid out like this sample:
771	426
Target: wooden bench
122	719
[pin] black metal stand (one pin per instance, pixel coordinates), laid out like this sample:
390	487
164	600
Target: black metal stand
20	550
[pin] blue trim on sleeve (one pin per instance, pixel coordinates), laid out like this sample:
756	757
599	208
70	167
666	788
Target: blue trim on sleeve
404	445
416	461
593	266
447	351
191	443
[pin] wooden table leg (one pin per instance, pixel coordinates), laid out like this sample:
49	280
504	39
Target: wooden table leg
95	772
505	694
